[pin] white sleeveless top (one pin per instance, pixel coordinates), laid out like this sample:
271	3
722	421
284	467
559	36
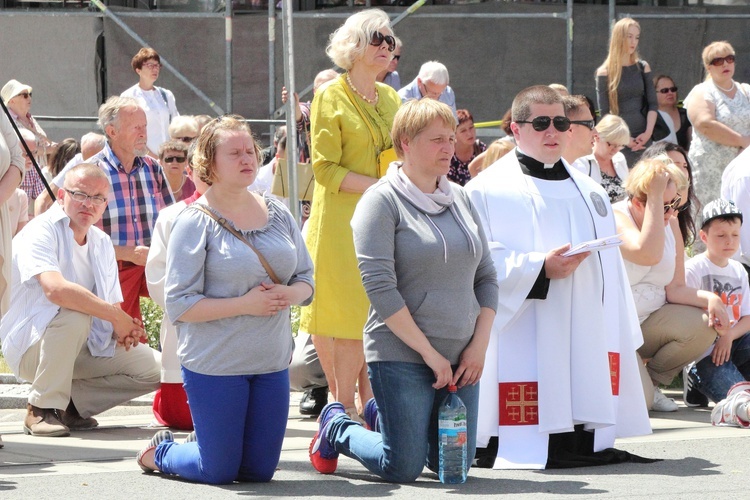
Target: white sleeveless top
648	282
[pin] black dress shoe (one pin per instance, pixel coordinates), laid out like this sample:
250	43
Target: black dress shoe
313	401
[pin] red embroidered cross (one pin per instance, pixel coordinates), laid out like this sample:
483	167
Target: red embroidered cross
519	403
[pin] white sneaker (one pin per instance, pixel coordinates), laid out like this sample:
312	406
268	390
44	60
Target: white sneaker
663	403
733	410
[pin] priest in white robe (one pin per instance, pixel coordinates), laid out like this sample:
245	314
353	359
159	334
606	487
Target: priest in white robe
561	376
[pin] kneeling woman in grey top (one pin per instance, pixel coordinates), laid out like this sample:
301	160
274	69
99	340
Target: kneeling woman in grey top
233	322
426	268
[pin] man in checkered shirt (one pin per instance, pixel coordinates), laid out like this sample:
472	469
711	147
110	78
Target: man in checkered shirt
139	191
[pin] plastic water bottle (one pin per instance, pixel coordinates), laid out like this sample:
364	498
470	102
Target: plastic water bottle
452	438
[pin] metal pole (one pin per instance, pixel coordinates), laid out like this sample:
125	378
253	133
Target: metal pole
271	63
164	62
611	15
228	30
291	120
569	46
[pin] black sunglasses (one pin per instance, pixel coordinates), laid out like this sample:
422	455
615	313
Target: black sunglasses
673	205
667	90
378	38
589	124
718	61
178	159
397	57
541	123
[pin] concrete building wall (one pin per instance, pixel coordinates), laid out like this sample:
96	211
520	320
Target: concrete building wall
489	58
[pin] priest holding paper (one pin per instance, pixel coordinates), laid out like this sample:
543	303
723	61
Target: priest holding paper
561	379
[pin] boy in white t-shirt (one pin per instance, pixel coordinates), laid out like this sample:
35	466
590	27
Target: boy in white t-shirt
728	361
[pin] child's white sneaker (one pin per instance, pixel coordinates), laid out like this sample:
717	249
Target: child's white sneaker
735	408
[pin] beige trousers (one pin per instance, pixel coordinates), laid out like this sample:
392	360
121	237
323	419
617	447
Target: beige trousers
674	336
62	369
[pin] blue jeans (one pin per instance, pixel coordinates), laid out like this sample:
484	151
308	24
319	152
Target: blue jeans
408	412
714	381
239	422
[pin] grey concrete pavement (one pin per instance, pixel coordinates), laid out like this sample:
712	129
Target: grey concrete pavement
699	461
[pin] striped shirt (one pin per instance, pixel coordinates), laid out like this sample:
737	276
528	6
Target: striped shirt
135	199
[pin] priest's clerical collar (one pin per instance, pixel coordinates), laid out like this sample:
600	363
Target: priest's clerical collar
546	171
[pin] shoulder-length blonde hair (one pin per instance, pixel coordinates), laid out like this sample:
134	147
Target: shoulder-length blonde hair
712	51
617	57
349	42
204	157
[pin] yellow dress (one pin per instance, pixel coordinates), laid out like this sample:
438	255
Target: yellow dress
341	143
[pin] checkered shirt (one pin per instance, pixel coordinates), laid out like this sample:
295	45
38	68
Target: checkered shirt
135	199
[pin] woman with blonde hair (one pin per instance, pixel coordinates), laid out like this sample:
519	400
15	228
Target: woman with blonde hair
350	124
719	109
623	84
607	165
677	321
423	258
235	263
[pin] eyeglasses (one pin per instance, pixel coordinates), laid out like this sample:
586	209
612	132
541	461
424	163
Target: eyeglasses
82	197
589	124
718	61
673	205
667	90
378	38
152	65
185	139
397	57
541	123
25	95
178	159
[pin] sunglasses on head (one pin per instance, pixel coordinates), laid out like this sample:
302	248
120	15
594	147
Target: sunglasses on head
25	95
718	61
589	124
542	123
185	139
378	38
673	205
178	159
667	90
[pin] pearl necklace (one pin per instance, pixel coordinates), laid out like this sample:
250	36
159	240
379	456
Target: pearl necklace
731	88
181	184
360	94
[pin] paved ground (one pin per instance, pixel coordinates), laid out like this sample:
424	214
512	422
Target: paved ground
699	461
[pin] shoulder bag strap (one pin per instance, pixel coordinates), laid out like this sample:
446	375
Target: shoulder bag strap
166	102
361	113
223	223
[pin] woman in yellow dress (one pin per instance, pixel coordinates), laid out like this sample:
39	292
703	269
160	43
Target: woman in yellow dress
350	119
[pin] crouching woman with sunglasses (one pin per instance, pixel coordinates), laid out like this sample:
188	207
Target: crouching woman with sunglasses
235	263
426	267
677	321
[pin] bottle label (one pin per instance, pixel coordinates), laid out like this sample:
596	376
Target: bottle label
453	431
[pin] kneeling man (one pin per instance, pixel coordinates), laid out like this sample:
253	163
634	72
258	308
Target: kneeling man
65	331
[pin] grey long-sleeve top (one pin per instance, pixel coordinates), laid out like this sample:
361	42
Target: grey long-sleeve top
426	263
630	95
204	260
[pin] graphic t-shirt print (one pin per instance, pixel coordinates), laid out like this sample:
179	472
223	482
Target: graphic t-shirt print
730	292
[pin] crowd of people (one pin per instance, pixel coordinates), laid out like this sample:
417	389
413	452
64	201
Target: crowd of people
456	264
